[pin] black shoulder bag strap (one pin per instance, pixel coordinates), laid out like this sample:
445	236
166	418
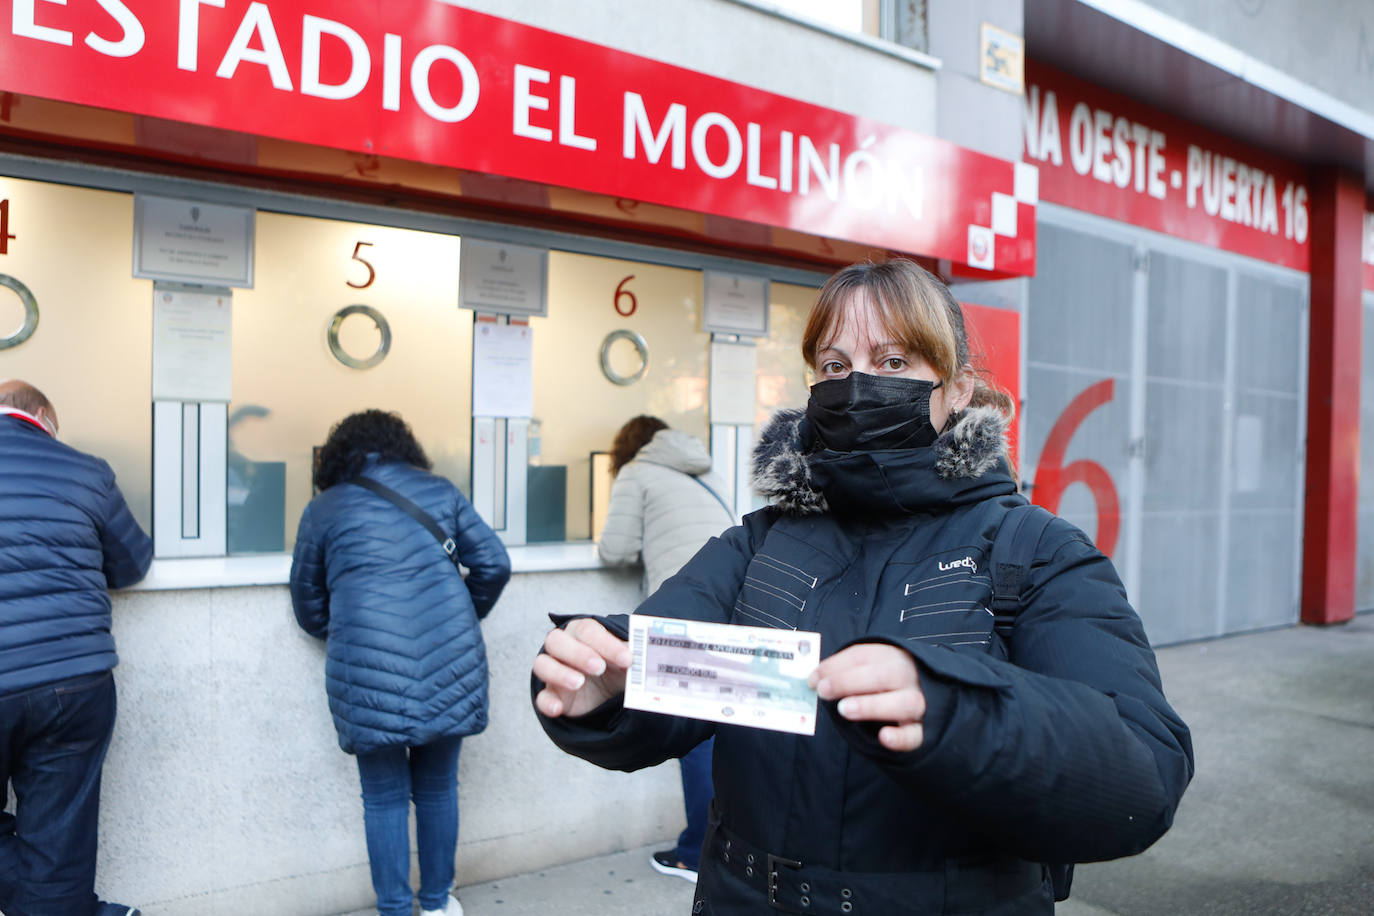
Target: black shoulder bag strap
414	511
1013	551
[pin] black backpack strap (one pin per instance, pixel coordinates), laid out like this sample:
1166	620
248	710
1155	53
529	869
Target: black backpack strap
414	511
1013	551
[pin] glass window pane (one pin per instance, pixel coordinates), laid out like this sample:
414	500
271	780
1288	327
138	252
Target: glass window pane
91	353
782	372
289	389
845	15
578	408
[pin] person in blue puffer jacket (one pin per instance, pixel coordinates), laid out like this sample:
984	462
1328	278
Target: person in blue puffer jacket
66	536
406	668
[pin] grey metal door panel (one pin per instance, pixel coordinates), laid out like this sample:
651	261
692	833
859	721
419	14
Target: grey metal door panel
1081	302
1183	447
1262	573
1200	434
1187	320
1180	562
1270	318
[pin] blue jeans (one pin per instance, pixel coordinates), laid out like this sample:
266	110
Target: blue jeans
53	740
697	792
391	778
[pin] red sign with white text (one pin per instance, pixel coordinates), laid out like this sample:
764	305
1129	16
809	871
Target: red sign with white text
1109	155
427	81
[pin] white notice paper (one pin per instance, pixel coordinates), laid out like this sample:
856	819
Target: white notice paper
734	368
502	364
191	344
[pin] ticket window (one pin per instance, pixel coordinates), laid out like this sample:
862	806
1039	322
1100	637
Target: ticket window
597	366
782	380
78	325
343	316
621	338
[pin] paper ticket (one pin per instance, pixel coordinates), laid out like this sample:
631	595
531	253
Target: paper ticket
752	676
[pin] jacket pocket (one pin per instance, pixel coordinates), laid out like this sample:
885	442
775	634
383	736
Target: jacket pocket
948	604
776	593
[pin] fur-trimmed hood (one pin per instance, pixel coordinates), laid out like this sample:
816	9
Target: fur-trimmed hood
963	463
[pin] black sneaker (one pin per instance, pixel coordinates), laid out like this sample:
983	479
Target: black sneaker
116	909
665	863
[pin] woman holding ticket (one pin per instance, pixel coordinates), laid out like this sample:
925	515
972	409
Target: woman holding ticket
991	710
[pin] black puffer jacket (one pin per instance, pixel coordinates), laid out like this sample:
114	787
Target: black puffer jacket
1057	747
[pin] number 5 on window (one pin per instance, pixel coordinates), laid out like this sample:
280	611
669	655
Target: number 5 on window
371	271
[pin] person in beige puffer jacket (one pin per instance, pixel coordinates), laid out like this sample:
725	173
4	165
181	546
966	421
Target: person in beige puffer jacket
665	504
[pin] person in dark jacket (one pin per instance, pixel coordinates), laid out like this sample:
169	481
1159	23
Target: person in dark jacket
406	668
949	761
66	536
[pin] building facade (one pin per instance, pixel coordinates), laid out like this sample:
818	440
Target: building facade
226	225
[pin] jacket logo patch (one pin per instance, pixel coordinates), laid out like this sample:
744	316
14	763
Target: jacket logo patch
966	562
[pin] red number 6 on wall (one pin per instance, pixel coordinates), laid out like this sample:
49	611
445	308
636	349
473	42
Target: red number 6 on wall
1052	477
624	301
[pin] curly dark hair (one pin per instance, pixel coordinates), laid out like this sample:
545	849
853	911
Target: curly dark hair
632	437
358	435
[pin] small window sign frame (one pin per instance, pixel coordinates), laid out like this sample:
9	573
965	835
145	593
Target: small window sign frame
192	241
735	304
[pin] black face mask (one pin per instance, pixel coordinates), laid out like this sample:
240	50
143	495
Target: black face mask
864	413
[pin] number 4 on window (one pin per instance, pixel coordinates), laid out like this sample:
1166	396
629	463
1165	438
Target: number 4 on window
5	227
371	271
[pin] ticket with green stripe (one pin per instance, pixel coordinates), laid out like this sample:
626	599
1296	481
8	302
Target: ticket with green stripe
750	676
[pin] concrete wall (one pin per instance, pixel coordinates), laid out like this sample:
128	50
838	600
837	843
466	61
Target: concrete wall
970	112
747	45
1328	44
225	791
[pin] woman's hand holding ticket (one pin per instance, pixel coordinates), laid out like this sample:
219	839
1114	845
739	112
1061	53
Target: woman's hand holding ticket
582	666
875	682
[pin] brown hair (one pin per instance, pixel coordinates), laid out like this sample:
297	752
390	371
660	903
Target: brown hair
632	437
916	309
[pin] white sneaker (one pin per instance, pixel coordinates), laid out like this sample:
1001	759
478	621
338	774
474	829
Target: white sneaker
454	908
